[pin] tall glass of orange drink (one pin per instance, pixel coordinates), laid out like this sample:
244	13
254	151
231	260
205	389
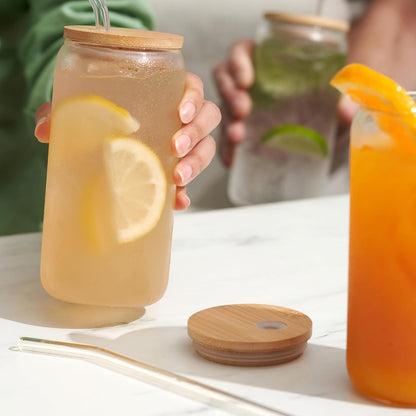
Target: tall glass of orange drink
381	340
110	194
381	350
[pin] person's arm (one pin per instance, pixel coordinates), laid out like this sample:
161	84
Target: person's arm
384	38
44	37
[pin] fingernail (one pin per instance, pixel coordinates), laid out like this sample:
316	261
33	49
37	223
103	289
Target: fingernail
187	112
182	144
185	173
39	129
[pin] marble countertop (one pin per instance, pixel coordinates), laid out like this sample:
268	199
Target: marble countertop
292	254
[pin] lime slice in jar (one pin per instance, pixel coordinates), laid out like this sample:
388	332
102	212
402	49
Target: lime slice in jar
297	139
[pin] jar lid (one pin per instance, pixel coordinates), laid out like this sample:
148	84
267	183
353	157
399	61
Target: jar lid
123	38
249	334
308	20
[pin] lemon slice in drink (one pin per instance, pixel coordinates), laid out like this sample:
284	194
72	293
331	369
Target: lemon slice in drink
138	186
296	139
79	125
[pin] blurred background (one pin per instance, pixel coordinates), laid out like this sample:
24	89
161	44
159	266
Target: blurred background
209	28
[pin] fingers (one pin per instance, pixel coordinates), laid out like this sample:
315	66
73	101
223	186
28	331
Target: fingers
43	111
43	118
346	110
195	161
236	99
182	201
189	135
233	78
192	99
232	135
241	63
193	143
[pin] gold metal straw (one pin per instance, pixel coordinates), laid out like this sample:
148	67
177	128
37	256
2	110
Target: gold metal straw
152	375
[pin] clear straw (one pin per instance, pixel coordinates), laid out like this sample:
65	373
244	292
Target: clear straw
149	374
102	18
320	7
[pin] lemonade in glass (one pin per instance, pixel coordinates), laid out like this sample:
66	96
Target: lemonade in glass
110	193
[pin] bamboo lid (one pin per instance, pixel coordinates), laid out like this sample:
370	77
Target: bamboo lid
123	38
308	20
249	334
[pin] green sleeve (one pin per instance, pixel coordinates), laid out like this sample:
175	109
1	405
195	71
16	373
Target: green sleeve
44	37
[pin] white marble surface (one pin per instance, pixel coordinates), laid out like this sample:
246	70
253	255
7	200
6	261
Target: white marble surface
292	254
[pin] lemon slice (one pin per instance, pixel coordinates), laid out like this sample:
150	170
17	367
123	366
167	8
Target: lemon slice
138	186
80	124
296	139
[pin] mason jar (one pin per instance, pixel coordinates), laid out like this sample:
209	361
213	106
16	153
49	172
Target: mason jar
290	133
110	193
381	335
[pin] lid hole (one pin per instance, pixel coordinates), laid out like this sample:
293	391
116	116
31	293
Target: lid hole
271	325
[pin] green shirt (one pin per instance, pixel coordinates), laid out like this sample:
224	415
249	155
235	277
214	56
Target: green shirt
30	37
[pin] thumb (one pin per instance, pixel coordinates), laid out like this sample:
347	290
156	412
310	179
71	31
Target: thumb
43	122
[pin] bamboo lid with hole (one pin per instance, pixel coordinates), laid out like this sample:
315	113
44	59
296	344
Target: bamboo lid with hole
249	334
123	38
308	20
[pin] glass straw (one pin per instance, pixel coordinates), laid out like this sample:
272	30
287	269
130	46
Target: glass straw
102	18
149	374
319	7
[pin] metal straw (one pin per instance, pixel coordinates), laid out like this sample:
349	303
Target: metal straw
149	374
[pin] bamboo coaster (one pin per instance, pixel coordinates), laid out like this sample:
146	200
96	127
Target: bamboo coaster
249	334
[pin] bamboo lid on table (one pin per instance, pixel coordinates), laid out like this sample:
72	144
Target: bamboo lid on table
249	334
308	20
123	38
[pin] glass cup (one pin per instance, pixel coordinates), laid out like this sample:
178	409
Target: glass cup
110	193
290	132
381	341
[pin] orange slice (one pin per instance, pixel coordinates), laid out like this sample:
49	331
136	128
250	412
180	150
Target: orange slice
375	91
